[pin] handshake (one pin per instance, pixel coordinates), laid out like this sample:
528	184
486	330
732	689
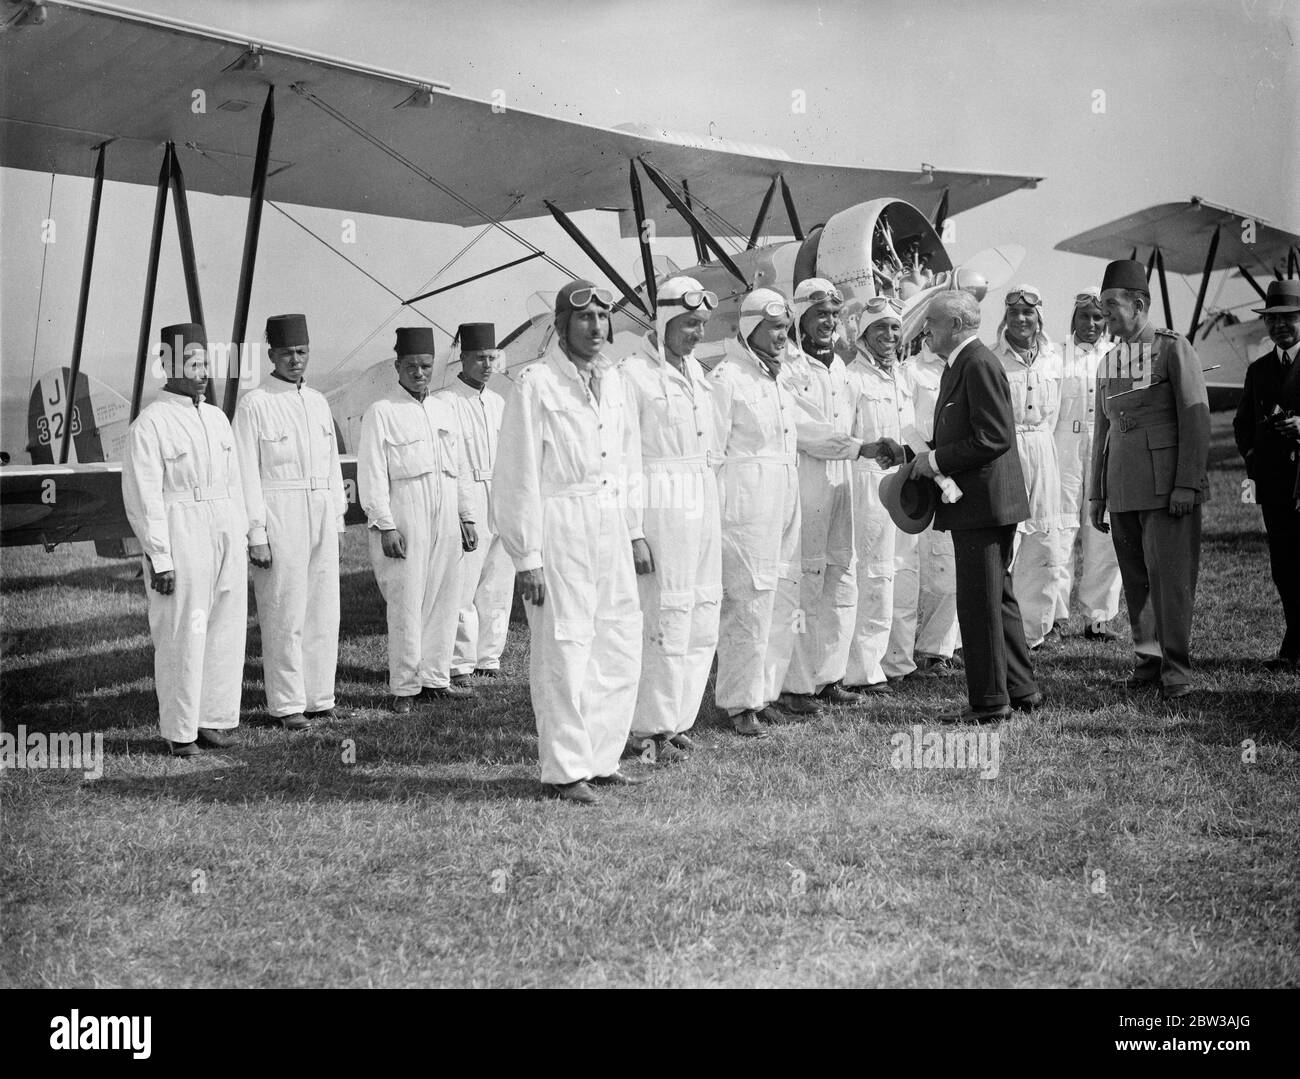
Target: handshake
889	453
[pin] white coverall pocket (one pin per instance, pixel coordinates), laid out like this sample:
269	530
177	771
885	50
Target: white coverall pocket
674	629
575	630
276	451
406	460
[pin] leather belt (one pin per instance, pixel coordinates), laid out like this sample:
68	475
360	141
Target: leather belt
1127	423
197	494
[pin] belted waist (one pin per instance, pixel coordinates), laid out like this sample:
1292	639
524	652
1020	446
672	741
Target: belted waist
578	490
765	458
694	463
310	483
481	475
1028	428
1127	421
197	494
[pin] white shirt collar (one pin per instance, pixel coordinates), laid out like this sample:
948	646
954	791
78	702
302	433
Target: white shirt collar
1290	353
953	354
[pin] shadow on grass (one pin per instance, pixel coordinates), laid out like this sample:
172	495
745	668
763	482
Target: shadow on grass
99	578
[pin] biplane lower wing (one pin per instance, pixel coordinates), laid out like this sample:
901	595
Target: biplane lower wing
53	504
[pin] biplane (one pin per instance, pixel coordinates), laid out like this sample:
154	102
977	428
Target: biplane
1192	237
99	90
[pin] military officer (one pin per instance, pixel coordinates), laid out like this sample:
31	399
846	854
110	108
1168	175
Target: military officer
184	499
1267	428
681	591
1149	459
487	576
570	452
416	488
293	491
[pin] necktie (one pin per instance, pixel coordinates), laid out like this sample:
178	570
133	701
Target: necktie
593	382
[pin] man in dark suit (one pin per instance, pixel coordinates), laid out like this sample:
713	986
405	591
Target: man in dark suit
974	444
1150	450
1267	426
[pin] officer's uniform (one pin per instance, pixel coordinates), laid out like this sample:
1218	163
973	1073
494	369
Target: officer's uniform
1147	443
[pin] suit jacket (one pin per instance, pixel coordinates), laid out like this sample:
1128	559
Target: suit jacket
1147	442
1271	460
975	443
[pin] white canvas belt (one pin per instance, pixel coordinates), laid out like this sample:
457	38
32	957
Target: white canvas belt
694	463
312	483
481	474
764	458
197	494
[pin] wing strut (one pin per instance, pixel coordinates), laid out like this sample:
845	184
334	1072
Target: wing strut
473	277
252	230
642	223
580	238
83	297
701	252
790	210
1164	289
1253	283
761	220
661	182
189	264
151	281
1292	263
1205	284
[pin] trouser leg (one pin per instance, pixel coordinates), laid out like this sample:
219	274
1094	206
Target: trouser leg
1282	522
320	633
1126	533
746	624
1172	549
492	603
465	650
226	637
898	661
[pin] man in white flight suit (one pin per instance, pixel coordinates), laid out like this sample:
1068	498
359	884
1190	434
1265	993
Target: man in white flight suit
758	494
183	497
1033	367
415	486
568	509
682	593
1099	580
293	491
886	625
828	589
487	576
937	634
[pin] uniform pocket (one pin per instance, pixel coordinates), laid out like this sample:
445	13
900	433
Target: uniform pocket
275	452
1162	442
447	443
409	459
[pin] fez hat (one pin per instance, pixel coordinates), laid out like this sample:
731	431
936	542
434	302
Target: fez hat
564	309
184	333
414	341
286	331
1126	274
1283	298
477	337
910	500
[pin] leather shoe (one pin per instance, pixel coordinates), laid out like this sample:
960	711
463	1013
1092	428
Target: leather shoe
462	680
834	693
1134	684
572	792
487	672
217	738
994	714
746	724
296	722
667	753
684	742
774	717
452	692
402	706
615	779
874	689
322	715
935	667
799	704
1099	631
1172	693
1030	703
185	749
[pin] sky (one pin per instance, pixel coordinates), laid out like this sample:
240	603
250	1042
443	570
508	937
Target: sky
1200	98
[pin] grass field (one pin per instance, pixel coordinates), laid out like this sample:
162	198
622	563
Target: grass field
1123	843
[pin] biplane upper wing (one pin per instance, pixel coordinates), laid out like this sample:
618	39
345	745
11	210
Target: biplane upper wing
336	124
1182	231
